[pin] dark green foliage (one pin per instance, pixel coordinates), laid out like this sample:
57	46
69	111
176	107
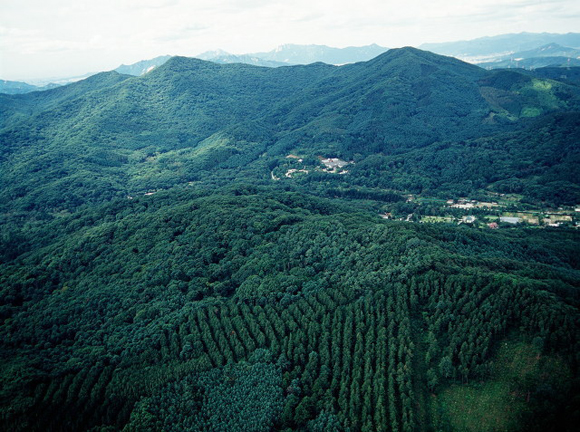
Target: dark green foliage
228	300
236	397
540	162
345	320
191	122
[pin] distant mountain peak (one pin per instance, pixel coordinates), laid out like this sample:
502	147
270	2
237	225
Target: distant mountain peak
142	67
208	55
409	51
413	63
406	49
178	62
293	54
305	54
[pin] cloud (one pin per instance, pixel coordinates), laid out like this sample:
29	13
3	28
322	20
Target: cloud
31	42
182	33
148	4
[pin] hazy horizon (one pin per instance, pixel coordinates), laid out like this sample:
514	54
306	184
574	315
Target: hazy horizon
54	38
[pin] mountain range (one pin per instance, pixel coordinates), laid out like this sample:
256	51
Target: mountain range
504	51
283	55
17	87
225	58
305	54
544	56
231	247
525	50
239	119
489	48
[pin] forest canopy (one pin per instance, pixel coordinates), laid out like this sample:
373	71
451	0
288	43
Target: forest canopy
227	247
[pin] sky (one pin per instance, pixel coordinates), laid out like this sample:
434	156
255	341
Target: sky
42	39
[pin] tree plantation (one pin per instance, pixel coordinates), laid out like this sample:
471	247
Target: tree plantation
168	312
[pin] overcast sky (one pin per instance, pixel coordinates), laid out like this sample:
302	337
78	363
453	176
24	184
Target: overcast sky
59	38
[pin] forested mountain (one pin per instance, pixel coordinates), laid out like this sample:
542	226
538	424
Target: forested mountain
199	249
17	87
570	75
112	135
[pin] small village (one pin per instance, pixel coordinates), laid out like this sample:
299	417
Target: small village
493	214
328	165
497	211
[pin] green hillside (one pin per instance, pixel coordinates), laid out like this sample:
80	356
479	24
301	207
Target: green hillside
114	135
135	313
200	249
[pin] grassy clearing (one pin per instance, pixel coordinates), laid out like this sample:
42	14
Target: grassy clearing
487	407
505	402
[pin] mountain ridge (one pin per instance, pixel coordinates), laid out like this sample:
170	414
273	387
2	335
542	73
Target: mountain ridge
404	99
354	54
143	66
304	54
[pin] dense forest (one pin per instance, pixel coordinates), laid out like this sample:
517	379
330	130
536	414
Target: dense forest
162	269
166	312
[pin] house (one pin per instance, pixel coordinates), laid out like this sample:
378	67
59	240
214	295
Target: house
464	206
468	219
487	205
556	220
510	219
333	163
